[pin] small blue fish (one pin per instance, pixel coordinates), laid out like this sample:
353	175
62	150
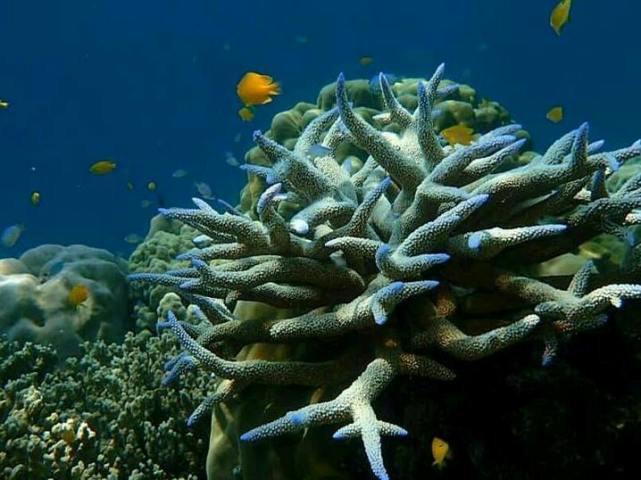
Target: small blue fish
347	166
180	173
231	160
265	172
375	86
56	268
612	162
630	237
204	190
318	150
133	238
11	235
51	269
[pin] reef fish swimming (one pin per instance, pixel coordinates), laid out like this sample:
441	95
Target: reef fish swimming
560	15
11	235
318	150
231	160
102	167
204	190
256	89
133	238
246	114
441	452
180	173
555	114
78	294
4	104
35	198
460	133
374	82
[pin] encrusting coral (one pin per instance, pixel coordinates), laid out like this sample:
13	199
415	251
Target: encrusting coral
164	240
391	261
98	416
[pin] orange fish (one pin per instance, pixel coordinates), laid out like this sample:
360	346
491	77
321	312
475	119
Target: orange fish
366	60
458	134
246	114
103	167
78	294
441	452
256	89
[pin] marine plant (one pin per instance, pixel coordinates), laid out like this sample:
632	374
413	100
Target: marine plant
392	264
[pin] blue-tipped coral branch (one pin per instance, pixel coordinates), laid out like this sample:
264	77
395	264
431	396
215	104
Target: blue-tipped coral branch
390	251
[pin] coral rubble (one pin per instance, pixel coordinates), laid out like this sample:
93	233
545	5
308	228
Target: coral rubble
421	250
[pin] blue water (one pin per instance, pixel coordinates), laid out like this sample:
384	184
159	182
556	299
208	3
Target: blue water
151	84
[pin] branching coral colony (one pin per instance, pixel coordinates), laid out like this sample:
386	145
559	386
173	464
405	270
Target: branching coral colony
419	224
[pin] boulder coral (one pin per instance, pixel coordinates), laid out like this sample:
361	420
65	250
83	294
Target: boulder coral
35	304
425	251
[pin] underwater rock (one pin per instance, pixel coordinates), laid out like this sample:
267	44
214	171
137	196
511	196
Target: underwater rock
35	302
374	268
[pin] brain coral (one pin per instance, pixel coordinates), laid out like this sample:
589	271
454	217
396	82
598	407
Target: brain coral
422	252
34	296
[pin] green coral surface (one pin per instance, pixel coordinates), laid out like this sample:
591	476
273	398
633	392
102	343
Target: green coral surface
101	416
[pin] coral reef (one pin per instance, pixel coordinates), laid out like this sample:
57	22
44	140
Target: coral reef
102	415
460	105
157	253
422	253
34	297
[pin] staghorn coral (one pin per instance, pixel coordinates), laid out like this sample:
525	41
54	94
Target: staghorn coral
458	104
403	254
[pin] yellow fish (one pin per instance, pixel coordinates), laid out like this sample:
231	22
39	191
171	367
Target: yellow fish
151	186
78	294
366	60
560	15
555	114
103	167
246	114
4	104
256	89
35	198
458	134
441	452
